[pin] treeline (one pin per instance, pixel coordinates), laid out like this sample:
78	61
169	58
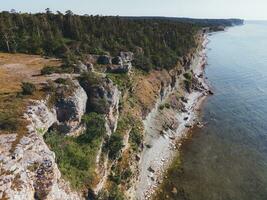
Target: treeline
198	22
155	42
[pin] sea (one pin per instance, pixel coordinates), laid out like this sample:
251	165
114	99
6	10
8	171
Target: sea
227	158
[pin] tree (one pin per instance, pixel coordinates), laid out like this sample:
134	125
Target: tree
28	88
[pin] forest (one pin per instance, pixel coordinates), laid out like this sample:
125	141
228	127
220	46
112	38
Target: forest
155	42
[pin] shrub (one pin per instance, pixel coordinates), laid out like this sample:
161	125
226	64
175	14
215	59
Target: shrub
188	76
28	88
115	193
61	81
161	107
126	174
47	70
136	137
114	146
8	122
95	127
167	105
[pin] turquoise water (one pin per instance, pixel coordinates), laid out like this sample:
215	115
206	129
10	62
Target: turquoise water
227	160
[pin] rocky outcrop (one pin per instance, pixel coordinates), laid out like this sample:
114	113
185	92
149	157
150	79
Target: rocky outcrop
65	114
30	172
104	60
28	167
126	57
117	60
103	97
121	63
80	68
123	68
41	118
70	110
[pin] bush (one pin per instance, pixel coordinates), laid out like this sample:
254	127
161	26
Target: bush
166	105
8	122
28	88
161	107
95	127
61	81
47	70
188	76
136	137
114	146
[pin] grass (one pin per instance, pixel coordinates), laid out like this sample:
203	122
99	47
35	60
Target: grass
123	81
12	108
76	161
76	157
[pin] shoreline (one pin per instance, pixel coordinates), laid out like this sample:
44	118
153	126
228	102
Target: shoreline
156	159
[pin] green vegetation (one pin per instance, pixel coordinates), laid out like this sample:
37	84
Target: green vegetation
188	80
165	105
188	76
8	122
123	81
48	70
28	88
114	145
61	81
136	134
113	194
155	42
76	156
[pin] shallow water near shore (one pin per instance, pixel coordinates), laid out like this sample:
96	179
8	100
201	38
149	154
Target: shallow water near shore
227	159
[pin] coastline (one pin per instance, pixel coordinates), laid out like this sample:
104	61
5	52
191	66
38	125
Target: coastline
156	159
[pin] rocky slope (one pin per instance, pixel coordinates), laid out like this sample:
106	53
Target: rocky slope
137	107
29	171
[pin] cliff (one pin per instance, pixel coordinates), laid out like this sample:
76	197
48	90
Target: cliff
101	125
28	168
127	100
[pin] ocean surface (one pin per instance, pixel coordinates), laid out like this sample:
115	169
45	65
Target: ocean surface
227	159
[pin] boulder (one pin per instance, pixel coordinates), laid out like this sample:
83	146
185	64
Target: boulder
70	108
211	92
119	68
90	67
174	190
151	169
80	68
117	61
126	56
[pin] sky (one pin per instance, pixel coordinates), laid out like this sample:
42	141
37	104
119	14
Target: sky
245	9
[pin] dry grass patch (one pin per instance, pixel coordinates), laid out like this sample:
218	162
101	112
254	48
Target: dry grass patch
15	68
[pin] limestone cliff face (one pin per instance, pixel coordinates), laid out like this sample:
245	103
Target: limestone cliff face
103	97
30	171
70	110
